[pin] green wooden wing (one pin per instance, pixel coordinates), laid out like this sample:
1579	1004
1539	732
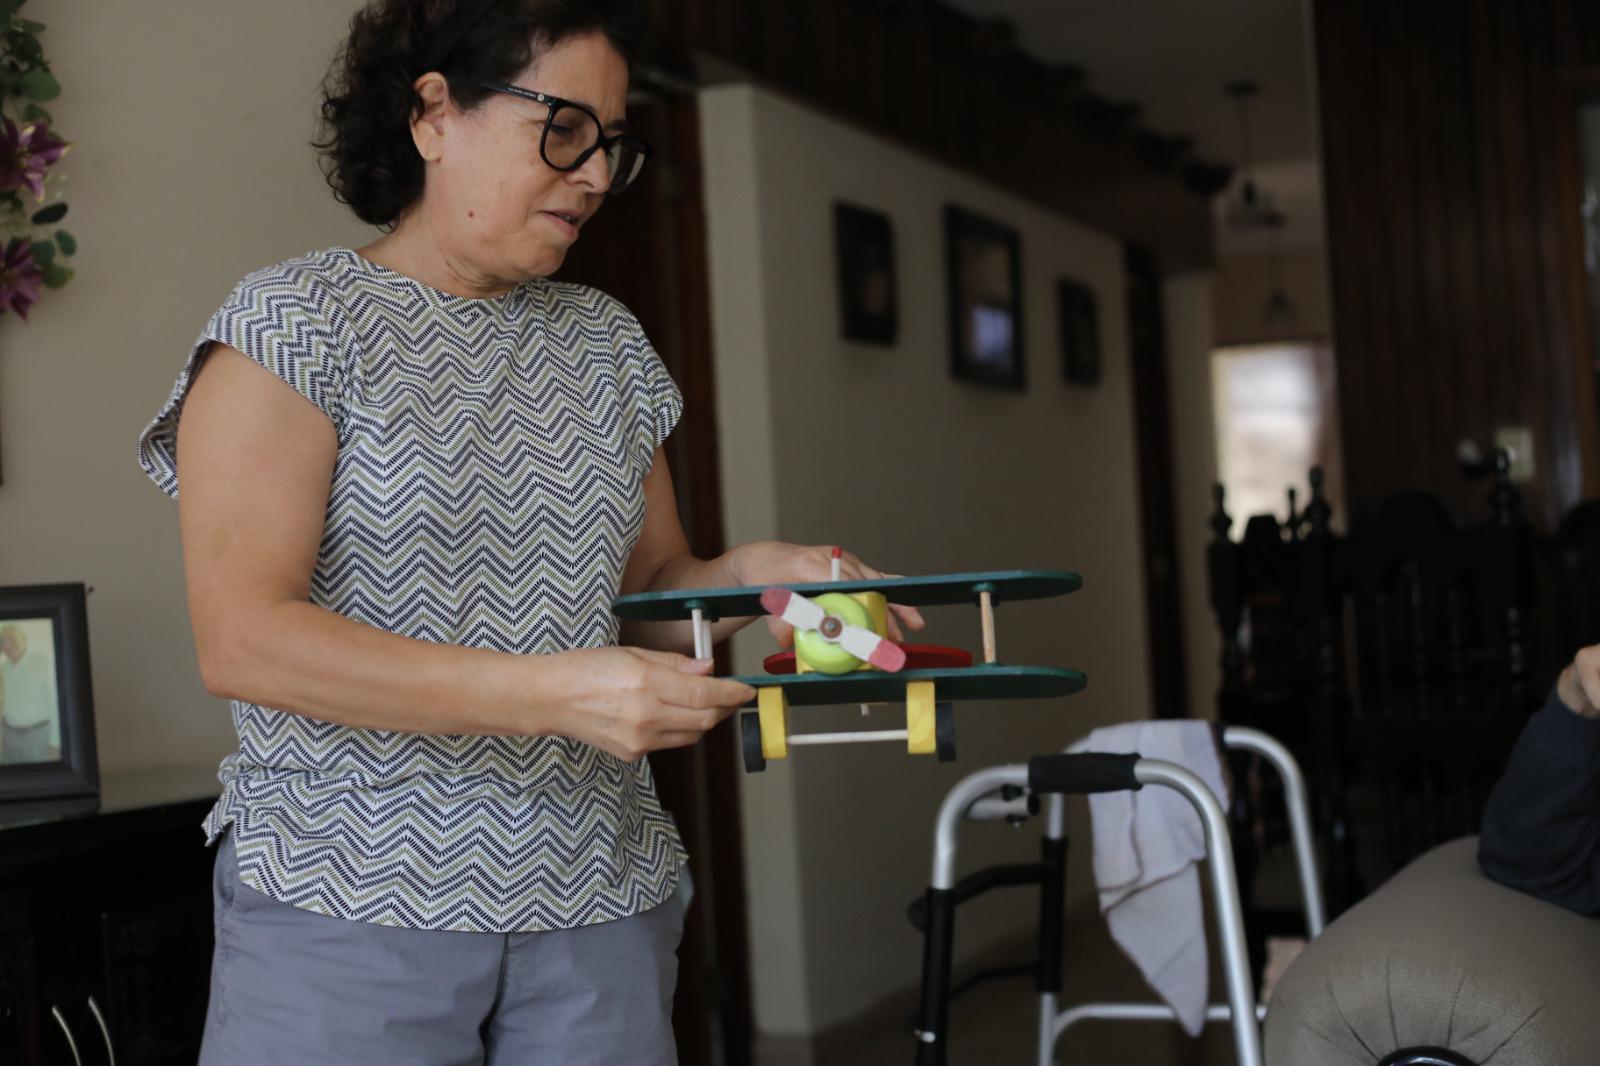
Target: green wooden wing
935	591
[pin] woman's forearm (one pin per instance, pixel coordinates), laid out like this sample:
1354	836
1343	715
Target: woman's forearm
299	657
687	572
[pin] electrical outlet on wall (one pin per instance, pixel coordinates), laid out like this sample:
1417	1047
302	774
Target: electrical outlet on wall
1518	440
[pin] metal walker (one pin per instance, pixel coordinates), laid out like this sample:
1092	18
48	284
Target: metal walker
1011	792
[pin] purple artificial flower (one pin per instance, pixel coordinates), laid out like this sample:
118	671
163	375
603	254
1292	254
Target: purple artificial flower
26	153
20	278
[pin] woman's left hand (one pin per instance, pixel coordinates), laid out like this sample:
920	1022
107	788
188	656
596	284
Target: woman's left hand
771	562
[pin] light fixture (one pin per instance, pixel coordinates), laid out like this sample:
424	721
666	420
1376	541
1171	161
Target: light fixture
1278	313
1250	206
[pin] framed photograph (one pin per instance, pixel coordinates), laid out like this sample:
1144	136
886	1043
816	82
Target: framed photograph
1080	333
47	745
984	269
865	242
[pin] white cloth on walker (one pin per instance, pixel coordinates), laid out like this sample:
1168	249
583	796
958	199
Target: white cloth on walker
1147	846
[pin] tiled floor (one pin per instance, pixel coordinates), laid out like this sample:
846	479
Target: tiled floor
995	1023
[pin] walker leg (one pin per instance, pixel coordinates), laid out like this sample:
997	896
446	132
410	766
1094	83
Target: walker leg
1224	899
936	954
1052	923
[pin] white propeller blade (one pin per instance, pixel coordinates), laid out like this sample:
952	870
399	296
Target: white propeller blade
794	609
867	646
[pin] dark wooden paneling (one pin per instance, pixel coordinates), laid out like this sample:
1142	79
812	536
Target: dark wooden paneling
935	80
1451	226
1158	526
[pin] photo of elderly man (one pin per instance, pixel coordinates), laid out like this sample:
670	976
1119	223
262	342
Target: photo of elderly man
30	717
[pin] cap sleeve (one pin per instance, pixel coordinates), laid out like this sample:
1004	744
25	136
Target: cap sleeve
653	396
286	321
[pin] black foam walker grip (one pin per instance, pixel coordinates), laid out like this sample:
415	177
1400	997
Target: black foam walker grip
1082	772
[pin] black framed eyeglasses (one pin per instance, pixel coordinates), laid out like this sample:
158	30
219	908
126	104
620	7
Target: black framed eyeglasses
572	133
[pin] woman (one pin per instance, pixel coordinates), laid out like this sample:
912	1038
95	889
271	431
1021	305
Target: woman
440	838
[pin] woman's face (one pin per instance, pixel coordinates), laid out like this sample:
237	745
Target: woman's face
493	202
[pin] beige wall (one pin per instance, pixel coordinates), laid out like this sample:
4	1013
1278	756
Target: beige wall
1243	282
877	448
189	168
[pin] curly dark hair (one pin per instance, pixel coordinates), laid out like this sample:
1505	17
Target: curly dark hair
368	101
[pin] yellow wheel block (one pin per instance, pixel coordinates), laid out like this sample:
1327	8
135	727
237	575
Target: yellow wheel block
921	734
773	707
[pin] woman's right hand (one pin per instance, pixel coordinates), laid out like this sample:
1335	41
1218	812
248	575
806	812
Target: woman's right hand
632	701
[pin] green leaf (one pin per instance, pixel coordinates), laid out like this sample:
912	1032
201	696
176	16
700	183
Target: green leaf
44	252
29	25
10	7
34	113
46	215
56	275
25	50
39	84
68	243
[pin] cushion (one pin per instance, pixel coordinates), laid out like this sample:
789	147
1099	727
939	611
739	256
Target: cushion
1442	957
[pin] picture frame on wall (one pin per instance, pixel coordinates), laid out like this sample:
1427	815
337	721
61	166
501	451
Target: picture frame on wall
983	266
47	744
864	240
1080	332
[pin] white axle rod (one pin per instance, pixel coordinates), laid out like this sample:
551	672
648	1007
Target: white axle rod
864	736
1294	795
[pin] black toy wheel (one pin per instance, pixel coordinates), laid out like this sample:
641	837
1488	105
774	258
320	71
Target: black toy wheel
944	731
750	742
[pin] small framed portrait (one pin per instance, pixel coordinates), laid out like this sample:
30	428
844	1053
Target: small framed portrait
984	269
47	747
1080	333
865	242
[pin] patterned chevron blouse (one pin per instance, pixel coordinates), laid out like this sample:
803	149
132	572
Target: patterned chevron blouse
487	491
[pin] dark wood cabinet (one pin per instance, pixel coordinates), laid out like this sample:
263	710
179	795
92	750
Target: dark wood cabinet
106	925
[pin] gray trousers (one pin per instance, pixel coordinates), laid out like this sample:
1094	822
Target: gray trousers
31	744
289	986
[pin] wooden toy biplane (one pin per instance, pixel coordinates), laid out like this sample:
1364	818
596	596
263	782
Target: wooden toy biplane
843	654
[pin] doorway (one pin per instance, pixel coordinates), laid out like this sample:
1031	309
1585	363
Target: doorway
1275	413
